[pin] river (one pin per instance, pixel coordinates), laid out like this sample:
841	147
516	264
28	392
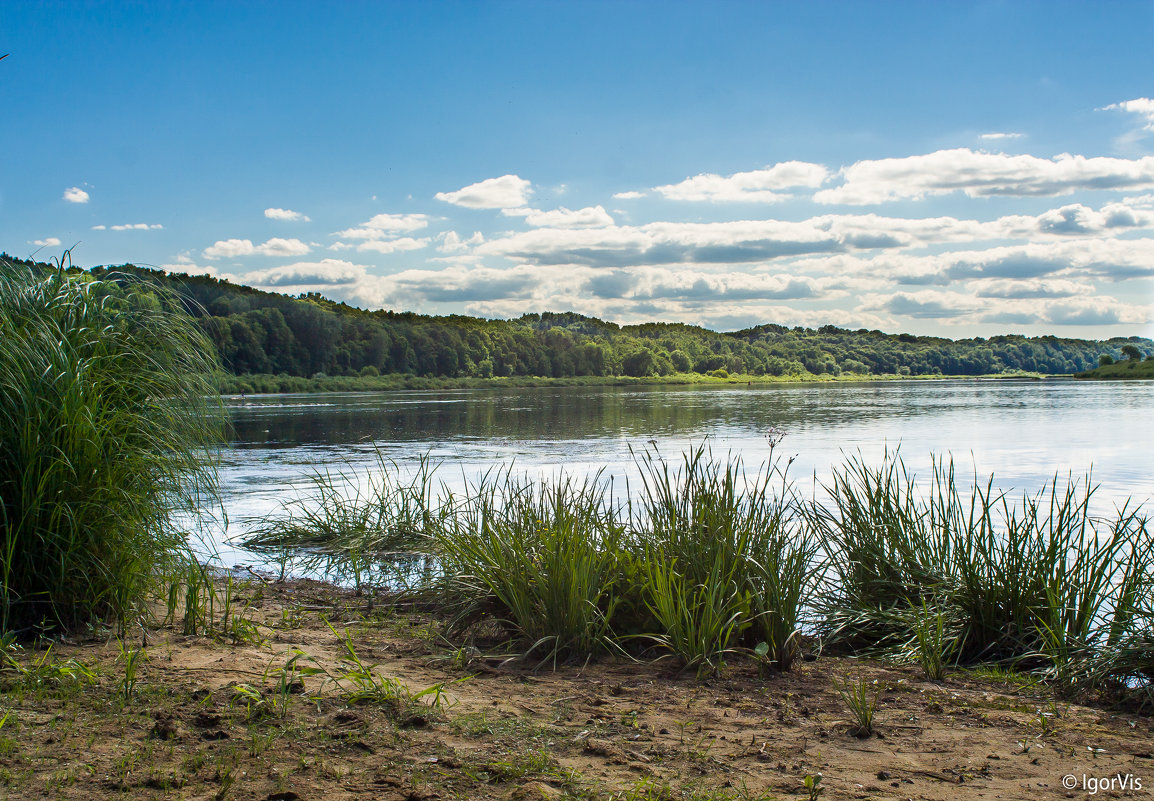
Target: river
1024	432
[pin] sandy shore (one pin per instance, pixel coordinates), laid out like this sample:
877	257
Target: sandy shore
232	716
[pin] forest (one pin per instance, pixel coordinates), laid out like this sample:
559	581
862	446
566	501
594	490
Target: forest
310	336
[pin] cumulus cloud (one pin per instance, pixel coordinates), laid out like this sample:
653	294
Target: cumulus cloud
47	242
1078	259
925	304
386	225
1090	311
662	283
589	217
316	274
628	195
386	246
738	241
1031	289
186	265
287	215
756	186
982	174
465	284
74	194
131	227
451	242
1084	311
506	192
232	248
1143	106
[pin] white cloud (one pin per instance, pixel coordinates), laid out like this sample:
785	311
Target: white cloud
757	186
739	241
286	215
628	195
47	242
231	248
451	242
924	304
283	247
401	245
589	217
997	135
1029	289
316	274
1143	106
693	285
981	174
385	225
74	194
1071	259
133	227
188	267
506	192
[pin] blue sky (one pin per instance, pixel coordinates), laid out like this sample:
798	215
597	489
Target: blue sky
946	168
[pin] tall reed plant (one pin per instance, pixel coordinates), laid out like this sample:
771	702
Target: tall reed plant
728	561
108	410
355	526
1039	582
543	559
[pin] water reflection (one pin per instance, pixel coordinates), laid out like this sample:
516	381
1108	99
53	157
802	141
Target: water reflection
1023	432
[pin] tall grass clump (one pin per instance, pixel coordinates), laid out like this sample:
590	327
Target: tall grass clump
1038	582
540	558
107	412
727	561
353	529
886	555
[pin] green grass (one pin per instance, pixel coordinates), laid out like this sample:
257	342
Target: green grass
542	559
724	560
107	412
861	700
710	561
1127	369
352	531
1038	582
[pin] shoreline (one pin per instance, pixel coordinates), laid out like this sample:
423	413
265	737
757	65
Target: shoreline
263	384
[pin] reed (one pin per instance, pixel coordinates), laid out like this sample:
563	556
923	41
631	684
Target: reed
1040	583
710	560
351	526
726	562
540	558
107	415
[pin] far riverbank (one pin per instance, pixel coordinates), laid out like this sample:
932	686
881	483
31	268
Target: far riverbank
264	383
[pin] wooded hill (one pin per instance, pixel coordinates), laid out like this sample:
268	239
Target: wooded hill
259	332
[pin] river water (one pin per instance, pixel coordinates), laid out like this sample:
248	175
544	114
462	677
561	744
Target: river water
1024	432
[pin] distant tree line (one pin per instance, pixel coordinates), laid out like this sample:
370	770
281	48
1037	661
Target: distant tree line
258	332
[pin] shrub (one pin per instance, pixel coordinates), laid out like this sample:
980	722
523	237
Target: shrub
107	406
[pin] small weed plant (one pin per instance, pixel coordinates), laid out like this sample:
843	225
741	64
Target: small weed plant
860	697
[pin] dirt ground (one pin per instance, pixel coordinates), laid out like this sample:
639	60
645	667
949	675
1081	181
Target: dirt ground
227	717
